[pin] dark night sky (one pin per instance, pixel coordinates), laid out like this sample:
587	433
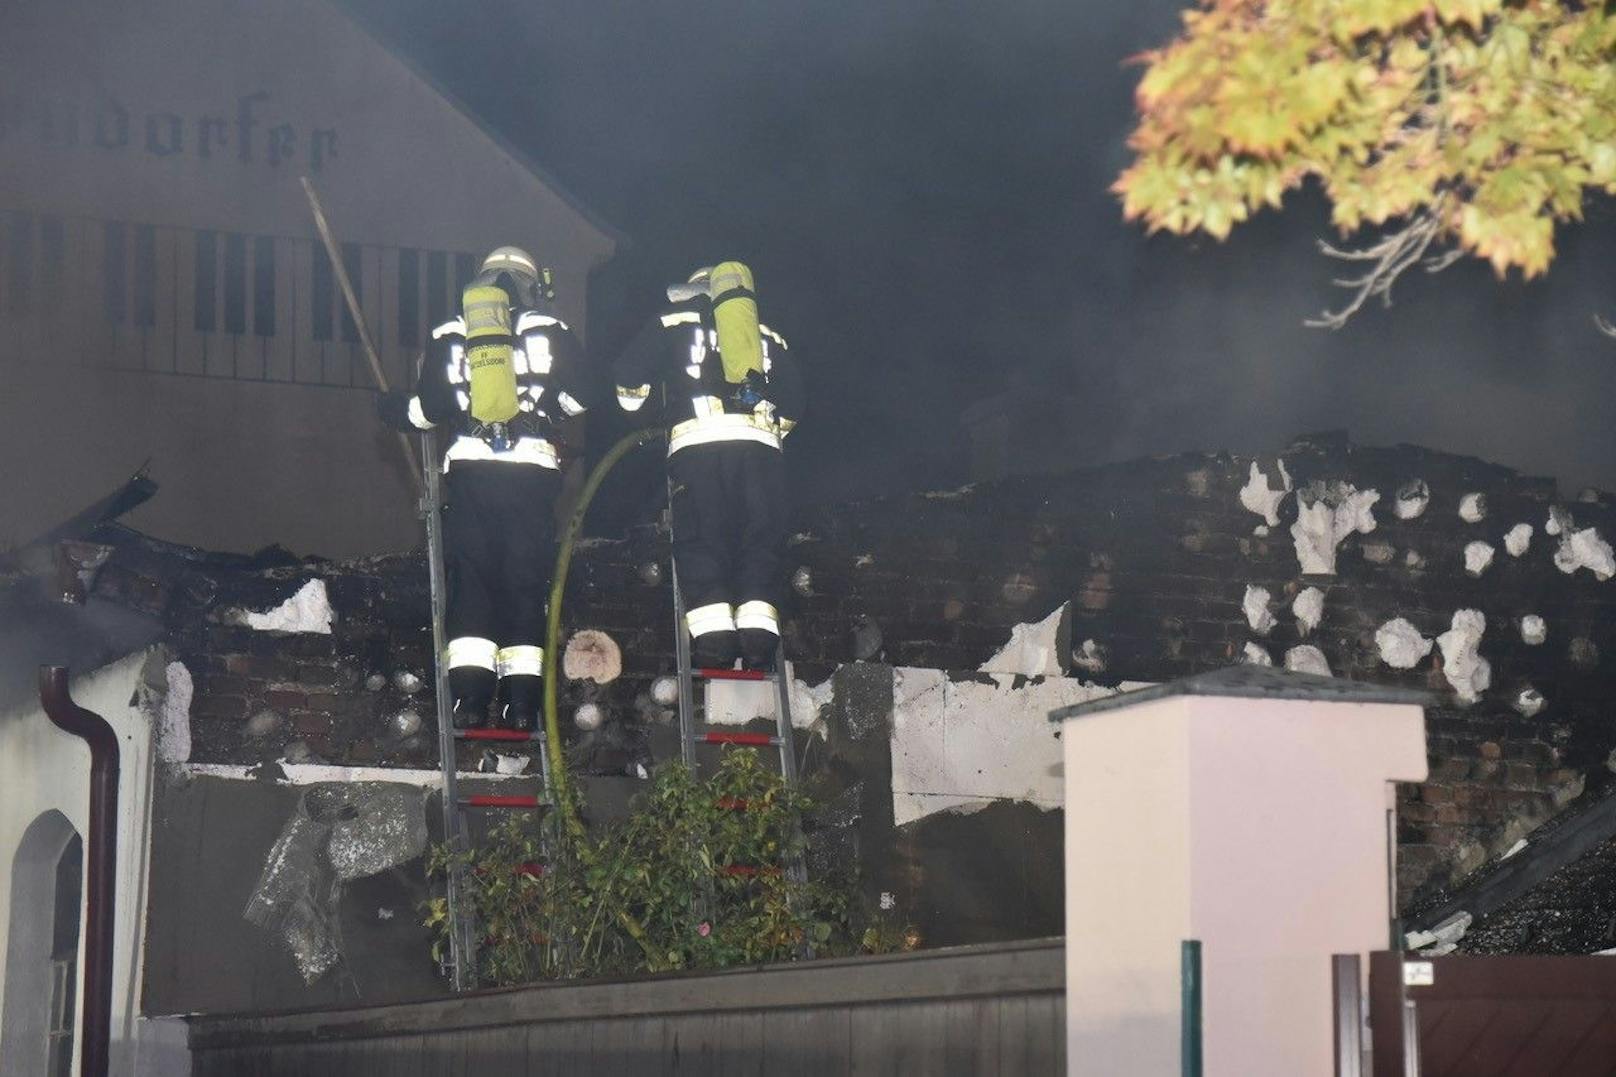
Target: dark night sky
921	189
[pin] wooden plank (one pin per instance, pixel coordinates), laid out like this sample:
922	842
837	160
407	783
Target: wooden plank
559	1049
967	1023
805	1042
740	1036
398	1056
869	1052
1046	1035
1013	1033
1576	1038
691	1043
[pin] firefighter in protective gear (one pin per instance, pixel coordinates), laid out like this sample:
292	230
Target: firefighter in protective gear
498	377
732	393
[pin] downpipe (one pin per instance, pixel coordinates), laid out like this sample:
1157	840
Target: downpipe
100	863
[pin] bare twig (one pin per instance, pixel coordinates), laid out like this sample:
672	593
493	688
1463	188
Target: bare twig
1391	256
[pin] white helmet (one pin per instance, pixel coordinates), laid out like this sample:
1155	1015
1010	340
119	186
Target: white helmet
519	266
513	260
700	283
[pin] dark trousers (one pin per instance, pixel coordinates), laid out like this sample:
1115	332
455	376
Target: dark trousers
729	523
499	550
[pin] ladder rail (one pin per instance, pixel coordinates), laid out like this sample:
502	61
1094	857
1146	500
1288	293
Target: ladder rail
462	940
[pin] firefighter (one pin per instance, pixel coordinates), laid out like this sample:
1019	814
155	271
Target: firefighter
732	393
498	377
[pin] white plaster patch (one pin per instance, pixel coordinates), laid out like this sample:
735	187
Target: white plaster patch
864	560
962	745
665	690
592	655
406	723
740	702
1333	514
174	723
1468	672
1032	650
1518	539
1585	549
407	682
1379	553
1090	657
1309	609
1258	496
588	716
1400	644
511	764
1559	521
1477	556
1413	560
309	610
1261	530
1307	658
1256	654
1256	606
1443	936
1412	498
1473	508
1529	702
1533	630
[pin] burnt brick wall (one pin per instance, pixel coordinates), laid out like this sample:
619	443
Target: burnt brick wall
1153	556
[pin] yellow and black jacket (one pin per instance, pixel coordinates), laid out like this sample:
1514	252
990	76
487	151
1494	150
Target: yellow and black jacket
678	354
552	382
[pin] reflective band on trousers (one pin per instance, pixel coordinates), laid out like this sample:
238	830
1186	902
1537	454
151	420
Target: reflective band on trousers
757	614
631	399
718	617
471	651
523	660
710	428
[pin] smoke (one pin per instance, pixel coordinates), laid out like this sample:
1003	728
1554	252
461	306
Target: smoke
921	188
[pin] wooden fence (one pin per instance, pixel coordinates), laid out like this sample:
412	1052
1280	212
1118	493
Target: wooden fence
990	1010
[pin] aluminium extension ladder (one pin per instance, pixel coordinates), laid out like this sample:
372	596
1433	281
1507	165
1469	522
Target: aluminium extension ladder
693	731
460	960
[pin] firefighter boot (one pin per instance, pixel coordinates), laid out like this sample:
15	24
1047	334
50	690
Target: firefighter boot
523	697
473	689
758	647
714	650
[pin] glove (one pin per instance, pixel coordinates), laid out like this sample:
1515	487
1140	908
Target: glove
753	391
393	409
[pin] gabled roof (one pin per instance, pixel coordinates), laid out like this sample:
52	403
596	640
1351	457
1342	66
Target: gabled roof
1252	682
516	153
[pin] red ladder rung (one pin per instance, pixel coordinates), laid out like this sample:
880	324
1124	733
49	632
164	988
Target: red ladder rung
732	674
530	870
495	734
500	802
755	740
732	804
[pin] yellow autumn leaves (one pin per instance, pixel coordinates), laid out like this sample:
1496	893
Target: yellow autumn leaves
1496	117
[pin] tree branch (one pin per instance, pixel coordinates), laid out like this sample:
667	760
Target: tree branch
1391	256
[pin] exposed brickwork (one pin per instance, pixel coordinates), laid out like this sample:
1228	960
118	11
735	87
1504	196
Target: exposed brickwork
1154	557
